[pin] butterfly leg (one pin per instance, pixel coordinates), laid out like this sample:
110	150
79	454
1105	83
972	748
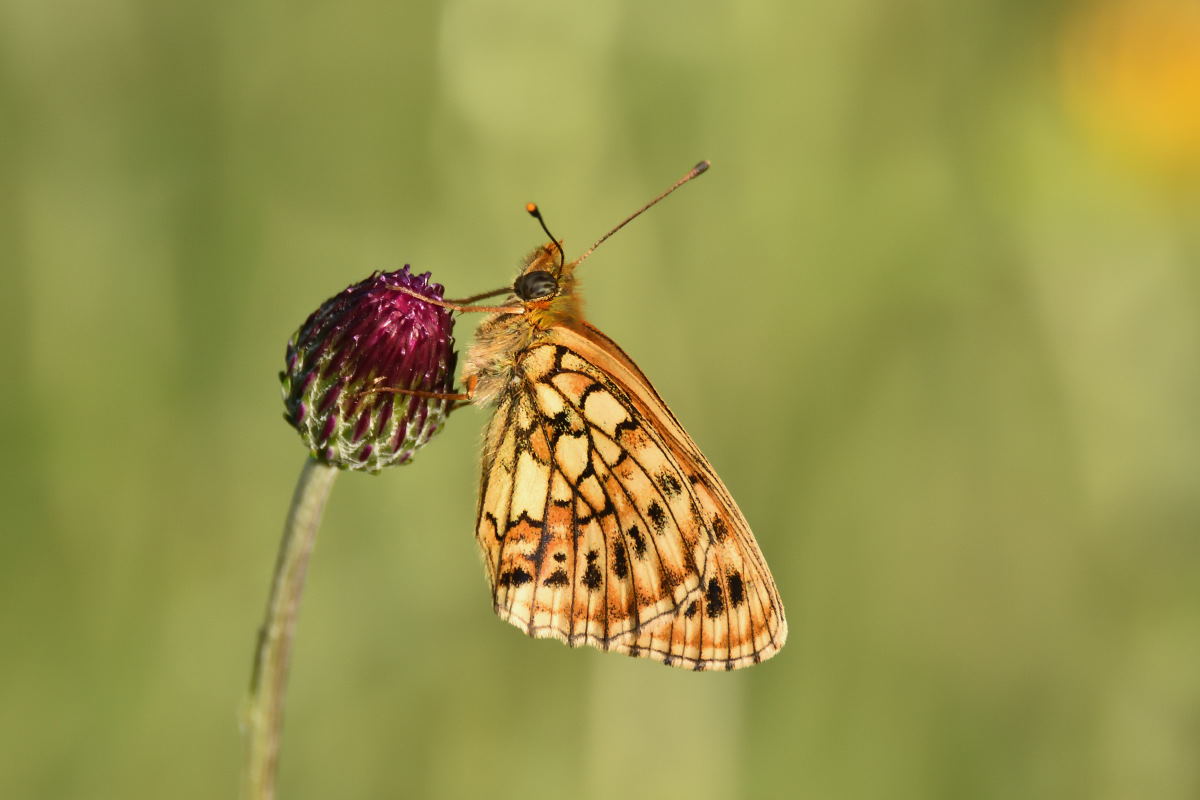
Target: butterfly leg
460	399
420	393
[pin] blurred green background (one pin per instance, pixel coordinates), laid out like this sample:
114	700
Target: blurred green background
934	315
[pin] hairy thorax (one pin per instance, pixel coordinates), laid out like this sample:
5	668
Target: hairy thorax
492	358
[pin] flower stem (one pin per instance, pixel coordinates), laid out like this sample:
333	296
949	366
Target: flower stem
263	719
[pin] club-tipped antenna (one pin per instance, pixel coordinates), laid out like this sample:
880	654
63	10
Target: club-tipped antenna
536	214
694	172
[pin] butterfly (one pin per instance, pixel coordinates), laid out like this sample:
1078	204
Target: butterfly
600	521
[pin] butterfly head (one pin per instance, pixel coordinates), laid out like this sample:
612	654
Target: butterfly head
546	286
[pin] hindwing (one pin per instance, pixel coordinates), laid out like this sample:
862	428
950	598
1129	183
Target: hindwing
601	523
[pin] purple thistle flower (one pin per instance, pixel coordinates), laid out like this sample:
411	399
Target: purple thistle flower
370	337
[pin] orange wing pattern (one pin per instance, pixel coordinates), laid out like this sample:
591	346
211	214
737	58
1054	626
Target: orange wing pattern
601	523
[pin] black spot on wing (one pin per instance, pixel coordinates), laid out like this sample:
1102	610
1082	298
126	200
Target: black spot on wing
557	578
737	591
515	577
592	577
670	485
560	557
620	563
691	609
639	541
713	604
658	517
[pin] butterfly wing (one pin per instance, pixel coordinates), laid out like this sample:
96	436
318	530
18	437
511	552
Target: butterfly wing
567	540
602	523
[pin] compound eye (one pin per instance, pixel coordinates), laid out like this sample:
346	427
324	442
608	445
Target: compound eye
535	285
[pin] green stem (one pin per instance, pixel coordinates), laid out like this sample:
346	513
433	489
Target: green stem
268	684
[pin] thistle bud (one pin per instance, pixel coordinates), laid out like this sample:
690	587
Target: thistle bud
340	363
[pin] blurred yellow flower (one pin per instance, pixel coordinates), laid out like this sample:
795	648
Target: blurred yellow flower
1132	68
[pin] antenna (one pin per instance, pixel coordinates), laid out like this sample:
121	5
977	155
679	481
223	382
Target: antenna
694	172
536	214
